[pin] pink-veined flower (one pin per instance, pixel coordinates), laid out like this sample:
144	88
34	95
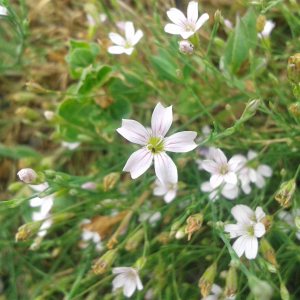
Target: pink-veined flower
229	191
155	145
247	229
128	278
168	190
125	45
27	175
186	27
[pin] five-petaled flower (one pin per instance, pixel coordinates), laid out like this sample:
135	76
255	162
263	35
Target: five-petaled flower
128	278
186	27
125	45
221	169
168	190
248	229
155	144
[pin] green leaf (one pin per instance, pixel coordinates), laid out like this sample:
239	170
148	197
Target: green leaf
121	109
81	58
18	152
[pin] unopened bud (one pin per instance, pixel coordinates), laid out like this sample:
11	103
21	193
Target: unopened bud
260	23
219	42
27	175
283	173
179	74
260	289
15	186
63	217
28	113
286	192
35	88
268	251
250	110
217	16
295	109
135	241
110	180
194	223
273	79
28	230
186	47
105	261
228	107
234	263
49	115
284	293
231	283
89	186
180	233
268	222
271	268
140	263
220	225
207	280
36	243
175	226
293	68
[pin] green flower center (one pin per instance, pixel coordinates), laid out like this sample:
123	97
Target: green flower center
250	230
224	169
155	145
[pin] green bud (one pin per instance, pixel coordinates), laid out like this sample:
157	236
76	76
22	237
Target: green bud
105	261
180	233
295	109
219	42
220	225
260	289
36	243
28	230
217	16
175	226
35	88
234	263
260	23
135	241
284	293
73	192
207	280
63	217
286	192
28	113
293	68
231	283
15	186
140	263
283	173
273	79
271	268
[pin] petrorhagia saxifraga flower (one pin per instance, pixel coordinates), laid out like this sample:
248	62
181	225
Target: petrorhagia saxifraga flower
155	145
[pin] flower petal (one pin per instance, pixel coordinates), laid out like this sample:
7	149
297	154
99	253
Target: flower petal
206	187
192	12
161	120
139	283
251	247
116	49
216	289
239	246
235	230
230	191
138	35
128	51
129	32
252	175
96	237
173	29
138	163
39	187
134	132
119	280
119	270
220	157
216	180
230	177
87	235
186	34
180	142
259	213
242	214
265	170
177	17
165	169
260	181
129	287
235	163
117	39
201	21
47	204
251	155
34	202
170	196
210	166
246	188
259	229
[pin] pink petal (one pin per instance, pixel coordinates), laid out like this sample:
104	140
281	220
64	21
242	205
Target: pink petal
119	281
116	49
138	35
220	157
192	12
265	170
230	177
210	166
251	247
206	187
87	235
251	155
201	21
138	163
260	181
96	237
180	142
165	169
259	213
235	230
246	188
117	39
242	214
252	175
239	246
129	32
173	29
216	289
129	287
170	196
134	132
216	180
160	190
235	163
177	17
161	120
259	229
139	283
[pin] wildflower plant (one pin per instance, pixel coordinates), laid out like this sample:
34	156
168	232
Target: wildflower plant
94	204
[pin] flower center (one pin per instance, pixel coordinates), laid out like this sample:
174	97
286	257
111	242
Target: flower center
250	230
224	169
190	27
155	145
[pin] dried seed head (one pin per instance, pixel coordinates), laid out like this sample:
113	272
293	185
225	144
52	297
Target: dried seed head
286	192
207	280
293	68
105	261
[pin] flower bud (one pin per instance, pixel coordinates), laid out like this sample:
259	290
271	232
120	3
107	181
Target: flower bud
140	263
284	293
217	16
110	180
186	47
28	113
231	283
295	109
207	280
179	74
219	225
271	268
105	261
260	23
36	243
49	115
164	238
63	217
250	110
194	223
135	241
286	192
283	173
273	79
180	233
28	230
175	226
260	289
15	186
35	88
219	42
293	69
89	186
268	251
234	263
268	222
27	175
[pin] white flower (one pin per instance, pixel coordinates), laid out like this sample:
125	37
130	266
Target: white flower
289	219
3	10
88	235
250	171
151	218
155	144
221	169
269	26
125	45
128	278
207	153
248	229
27	175
70	146
38	216
186	27
216	290
229	191
46	202
168	190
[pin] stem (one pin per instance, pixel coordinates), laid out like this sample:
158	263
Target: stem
297	172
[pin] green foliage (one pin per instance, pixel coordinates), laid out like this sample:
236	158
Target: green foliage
18	152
